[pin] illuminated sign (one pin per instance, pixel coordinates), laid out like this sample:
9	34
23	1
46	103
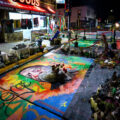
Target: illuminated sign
29	2
30	5
60	1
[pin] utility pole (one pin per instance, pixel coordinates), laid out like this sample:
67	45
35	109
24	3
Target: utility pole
69	31
84	37
114	36
68	4
117	25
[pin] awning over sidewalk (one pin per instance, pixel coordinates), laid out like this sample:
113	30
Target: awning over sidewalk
16	5
50	10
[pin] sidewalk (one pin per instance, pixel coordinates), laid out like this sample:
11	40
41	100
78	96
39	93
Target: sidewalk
5	47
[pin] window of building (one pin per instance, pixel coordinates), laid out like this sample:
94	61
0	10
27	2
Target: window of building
88	12
79	13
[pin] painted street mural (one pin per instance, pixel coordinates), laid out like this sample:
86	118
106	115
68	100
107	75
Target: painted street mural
42	88
86	43
13	107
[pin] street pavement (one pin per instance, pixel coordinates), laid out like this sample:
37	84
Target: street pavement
5	47
80	109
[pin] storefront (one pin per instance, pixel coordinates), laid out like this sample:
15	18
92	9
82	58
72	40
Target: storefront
24	19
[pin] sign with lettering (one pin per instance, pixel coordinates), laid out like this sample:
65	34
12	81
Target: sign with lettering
31	5
29	2
60	1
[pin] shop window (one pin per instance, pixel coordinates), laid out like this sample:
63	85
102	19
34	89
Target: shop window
27	21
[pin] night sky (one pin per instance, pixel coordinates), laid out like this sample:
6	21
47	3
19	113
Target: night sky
102	7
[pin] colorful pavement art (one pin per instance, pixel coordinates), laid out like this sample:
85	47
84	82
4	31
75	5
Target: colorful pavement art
85	43
24	96
89	35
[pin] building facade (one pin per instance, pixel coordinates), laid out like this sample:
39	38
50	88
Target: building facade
83	16
25	19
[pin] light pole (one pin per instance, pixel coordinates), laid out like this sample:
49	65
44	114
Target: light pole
68	2
84	37
111	29
116	26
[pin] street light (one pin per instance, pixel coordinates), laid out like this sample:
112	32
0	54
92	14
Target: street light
111	10
117	25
